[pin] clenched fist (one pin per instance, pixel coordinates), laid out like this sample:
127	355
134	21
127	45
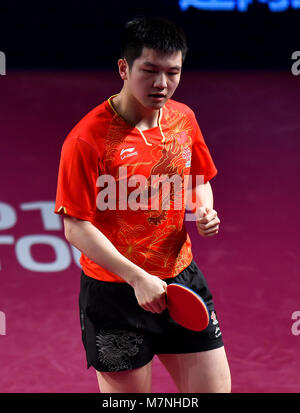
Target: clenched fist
207	222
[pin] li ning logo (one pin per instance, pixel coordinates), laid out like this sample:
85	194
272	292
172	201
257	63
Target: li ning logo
2	64
126	152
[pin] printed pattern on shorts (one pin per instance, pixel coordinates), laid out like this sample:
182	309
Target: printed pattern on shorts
117	347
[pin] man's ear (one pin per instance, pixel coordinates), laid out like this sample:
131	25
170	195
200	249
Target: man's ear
123	69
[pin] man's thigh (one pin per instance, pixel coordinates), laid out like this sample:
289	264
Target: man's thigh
130	381
202	372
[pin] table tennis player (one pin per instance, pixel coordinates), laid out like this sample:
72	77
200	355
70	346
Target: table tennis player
131	252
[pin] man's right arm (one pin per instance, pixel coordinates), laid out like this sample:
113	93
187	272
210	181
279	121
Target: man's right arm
149	289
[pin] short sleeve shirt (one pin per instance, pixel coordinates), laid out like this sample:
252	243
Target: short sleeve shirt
130	185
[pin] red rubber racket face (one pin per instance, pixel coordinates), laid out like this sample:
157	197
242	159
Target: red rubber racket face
186	307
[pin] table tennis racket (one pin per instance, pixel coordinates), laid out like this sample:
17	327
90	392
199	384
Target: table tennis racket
186	307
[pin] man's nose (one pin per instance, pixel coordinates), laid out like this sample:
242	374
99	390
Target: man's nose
160	81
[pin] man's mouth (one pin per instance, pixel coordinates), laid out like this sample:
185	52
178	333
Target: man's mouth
157	95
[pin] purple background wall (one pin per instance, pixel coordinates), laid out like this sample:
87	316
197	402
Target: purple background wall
251	123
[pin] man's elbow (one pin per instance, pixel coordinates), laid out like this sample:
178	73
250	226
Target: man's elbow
72	226
68	228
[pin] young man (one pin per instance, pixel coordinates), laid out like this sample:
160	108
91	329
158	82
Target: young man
130	254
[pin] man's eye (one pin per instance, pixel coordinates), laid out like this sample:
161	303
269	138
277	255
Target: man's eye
173	73
148	71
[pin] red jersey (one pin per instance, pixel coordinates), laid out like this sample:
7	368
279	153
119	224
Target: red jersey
104	147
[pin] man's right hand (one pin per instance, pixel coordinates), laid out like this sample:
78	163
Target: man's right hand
150	292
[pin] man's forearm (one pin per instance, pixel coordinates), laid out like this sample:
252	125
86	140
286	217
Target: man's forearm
202	196
96	246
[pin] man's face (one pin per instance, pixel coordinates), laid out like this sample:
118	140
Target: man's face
154	77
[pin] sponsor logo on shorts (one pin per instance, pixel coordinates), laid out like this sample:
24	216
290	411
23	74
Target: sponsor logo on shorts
215	323
214	318
217	332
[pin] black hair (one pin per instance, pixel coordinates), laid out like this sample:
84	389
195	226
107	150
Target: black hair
154	33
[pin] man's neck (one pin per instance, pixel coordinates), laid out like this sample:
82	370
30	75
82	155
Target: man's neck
133	113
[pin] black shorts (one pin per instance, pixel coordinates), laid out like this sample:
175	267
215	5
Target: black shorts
118	334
